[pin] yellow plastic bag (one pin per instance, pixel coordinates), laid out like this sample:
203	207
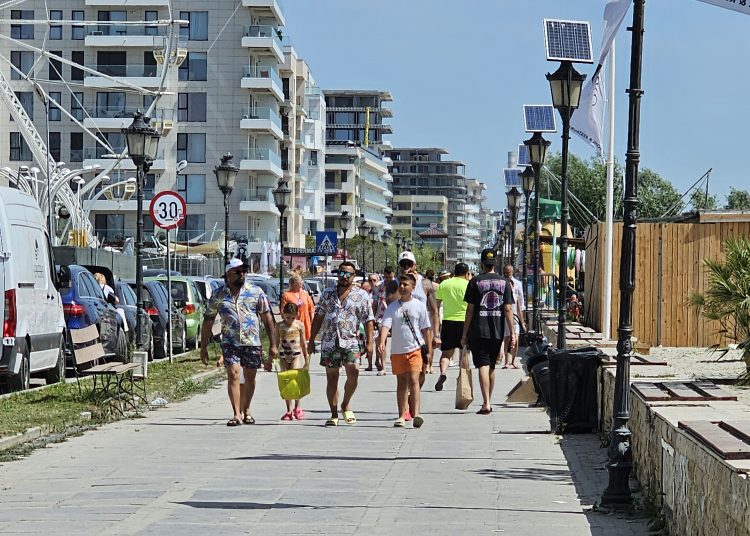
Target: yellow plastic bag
294	384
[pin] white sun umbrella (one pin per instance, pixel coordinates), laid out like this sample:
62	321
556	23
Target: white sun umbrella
264	258
273	257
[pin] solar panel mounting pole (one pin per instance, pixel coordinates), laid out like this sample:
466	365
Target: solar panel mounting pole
606	325
620	453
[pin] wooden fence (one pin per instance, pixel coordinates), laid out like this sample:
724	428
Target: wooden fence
669	266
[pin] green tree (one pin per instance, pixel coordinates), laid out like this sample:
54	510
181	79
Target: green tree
738	199
700	201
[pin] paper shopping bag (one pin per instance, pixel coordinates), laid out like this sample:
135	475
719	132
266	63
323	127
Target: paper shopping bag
464	387
294	384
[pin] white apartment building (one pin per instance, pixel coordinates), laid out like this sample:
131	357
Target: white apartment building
232	86
474	208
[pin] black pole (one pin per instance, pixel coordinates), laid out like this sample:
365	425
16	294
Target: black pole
536	254
562	279
373	256
226	228
344	232
512	256
620	454
524	257
139	254
281	253
385	243
364	268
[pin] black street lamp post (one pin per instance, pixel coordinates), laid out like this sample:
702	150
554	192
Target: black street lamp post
282	196
537	153
386	238
508	241
514	204
363	229
344	221
399	244
565	85
620	453
226	176
143	144
373	238
527	178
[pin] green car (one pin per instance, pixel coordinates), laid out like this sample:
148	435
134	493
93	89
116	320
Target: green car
187	294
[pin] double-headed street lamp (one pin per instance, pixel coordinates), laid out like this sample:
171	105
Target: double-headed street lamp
373	238
565	85
282	196
527	180
537	146
514	204
143	143
344	221
226	176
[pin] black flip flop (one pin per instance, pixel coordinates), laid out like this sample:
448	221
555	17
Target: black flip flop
248	420
484	411
234	421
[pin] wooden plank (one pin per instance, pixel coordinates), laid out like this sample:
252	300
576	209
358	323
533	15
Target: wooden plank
712	391
650	391
682	391
717	439
741	429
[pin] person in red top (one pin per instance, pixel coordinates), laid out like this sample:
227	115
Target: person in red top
299	296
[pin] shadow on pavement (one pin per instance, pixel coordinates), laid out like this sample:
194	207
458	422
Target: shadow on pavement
306	457
561	475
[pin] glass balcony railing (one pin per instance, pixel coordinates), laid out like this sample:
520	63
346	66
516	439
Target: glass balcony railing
134	29
117	112
100	152
130	70
262	30
262	112
261	193
263	72
262	155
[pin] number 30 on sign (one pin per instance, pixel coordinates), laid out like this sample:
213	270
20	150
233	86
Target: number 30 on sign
168	210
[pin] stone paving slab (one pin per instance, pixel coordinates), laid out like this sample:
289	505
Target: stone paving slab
182	471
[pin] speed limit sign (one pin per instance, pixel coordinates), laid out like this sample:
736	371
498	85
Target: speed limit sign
168	210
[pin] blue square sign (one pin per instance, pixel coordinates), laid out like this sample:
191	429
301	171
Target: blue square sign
326	242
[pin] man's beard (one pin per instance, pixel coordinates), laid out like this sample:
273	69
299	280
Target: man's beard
239	282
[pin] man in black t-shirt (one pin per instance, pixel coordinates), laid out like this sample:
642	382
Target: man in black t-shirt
489	299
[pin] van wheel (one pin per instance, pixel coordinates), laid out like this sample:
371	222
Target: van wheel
22	380
122	347
57	374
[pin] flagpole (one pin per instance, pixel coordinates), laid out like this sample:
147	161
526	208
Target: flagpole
606	330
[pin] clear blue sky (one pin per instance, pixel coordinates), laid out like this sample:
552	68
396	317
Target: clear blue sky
460	71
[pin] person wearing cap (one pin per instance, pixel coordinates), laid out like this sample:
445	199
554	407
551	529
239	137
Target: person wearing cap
489	305
242	306
450	295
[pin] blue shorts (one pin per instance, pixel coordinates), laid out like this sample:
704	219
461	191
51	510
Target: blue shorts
249	357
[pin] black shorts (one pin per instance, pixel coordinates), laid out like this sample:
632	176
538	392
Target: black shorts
450	334
484	352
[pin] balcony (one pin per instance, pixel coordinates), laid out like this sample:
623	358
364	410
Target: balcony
333	209
259	200
103	157
262	119
263	79
125	36
116	117
387	177
147	76
272	7
261	160
128	3
263	39
471	209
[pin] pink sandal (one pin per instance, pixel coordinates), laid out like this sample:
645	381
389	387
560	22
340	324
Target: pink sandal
286	417
298	414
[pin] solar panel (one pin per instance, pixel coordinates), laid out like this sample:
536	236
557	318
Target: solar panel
523	156
539	118
512	177
568	40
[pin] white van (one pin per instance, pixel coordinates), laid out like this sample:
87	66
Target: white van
34	324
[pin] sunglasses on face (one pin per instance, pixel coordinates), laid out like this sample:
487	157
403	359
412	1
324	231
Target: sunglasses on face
238	272
346	275
373	280
406	264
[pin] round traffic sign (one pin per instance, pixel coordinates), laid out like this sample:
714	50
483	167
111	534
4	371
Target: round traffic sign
168	210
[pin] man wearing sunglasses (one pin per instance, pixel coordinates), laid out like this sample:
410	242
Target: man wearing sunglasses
241	305
338	315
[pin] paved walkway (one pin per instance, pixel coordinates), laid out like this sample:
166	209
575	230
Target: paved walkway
182	471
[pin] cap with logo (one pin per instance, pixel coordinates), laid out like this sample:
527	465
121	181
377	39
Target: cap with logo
407	256
488	257
235	263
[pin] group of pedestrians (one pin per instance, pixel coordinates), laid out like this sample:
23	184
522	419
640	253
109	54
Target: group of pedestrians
477	317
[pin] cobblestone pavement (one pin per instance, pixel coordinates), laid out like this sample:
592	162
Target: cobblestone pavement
182	471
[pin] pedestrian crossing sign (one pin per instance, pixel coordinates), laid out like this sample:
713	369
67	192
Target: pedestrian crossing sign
325	242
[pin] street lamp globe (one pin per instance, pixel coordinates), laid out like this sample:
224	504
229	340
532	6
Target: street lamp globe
363	228
537	149
514	200
282	196
565	84
344	221
142	139
527	180
373	234
226	174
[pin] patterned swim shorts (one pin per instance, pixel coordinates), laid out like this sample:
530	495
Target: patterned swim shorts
250	357
339	356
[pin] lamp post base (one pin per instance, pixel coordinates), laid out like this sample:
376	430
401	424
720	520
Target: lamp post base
619	468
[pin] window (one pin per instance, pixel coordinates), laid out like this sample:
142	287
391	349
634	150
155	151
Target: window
191	147
19	149
147	100
197	27
313	159
54	112
151	16
149	64
76	105
192	188
149	184
195	67
55	30
76	146
110	227
191	107
111	63
26	98
22	31
55	66
78	32
54	146
23	60
110	104
112	16
78	57
193	227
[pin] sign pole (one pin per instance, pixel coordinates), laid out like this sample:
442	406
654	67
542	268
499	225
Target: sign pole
169	296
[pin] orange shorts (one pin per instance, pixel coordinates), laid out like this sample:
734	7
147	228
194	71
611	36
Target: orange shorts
411	362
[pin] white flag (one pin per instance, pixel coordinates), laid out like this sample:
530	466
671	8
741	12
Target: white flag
588	121
742	6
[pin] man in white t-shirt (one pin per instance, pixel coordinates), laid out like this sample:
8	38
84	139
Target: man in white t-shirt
408	319
519	324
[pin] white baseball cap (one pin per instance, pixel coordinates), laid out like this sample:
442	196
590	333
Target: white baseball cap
235	263
407	255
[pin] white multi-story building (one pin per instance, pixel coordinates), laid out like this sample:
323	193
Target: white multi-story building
230	86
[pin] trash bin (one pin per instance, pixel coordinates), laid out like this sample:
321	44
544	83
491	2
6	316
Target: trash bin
573	401
540	377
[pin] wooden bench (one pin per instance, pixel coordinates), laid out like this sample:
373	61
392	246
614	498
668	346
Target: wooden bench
114	380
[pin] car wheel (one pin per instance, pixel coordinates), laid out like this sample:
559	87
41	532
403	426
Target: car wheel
182	348
161	349
121	354
57	374
22	380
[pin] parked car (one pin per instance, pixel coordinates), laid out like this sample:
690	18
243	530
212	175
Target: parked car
129	305
84	305
269	286
185	291
207	285
155	300
34	327
316	287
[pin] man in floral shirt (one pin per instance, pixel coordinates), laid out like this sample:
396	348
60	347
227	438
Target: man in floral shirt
242	307
340	311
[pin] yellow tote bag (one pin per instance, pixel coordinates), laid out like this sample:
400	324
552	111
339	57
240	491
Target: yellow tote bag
293	384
